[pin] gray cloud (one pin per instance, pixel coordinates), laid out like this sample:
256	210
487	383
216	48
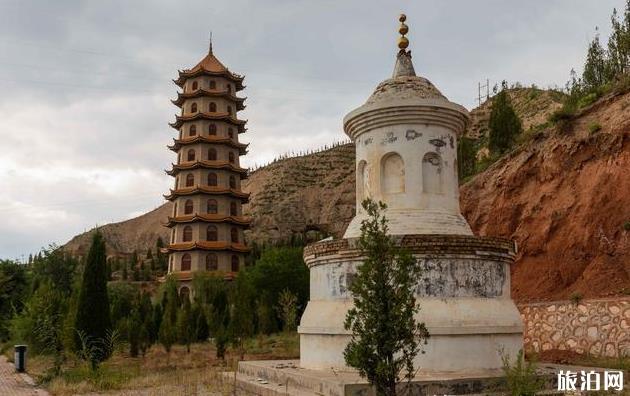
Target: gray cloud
87	85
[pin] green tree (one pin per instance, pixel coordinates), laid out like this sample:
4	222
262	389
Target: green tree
466	157
185	326
41	323
504	124
93	319
385	334
57	267
167	334
594	75
618	61
242	312
13	290
280	268
287	306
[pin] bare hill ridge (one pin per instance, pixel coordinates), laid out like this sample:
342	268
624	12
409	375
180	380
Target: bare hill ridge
563	197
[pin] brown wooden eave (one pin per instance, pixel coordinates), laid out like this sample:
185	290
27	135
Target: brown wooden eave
176	168
199	93
179	120
178	143
182	192
209	218
207	245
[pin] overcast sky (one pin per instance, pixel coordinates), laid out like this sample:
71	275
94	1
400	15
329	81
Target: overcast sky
86	85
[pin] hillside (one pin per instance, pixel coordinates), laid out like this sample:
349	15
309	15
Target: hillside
563	197
532	105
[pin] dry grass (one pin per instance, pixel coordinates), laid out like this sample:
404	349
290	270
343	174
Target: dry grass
180	373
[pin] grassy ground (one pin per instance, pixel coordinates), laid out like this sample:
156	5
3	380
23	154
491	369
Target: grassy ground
181	373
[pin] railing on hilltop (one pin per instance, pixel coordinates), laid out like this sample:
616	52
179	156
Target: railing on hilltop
299	153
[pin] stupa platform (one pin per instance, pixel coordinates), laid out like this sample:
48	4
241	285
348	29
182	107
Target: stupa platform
286	377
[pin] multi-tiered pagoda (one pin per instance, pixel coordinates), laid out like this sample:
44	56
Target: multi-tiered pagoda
207	222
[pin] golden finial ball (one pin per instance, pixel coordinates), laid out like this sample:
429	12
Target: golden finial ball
403	29
403	43
402	18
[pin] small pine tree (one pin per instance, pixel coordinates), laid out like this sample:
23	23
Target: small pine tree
504	124
93	316
385	334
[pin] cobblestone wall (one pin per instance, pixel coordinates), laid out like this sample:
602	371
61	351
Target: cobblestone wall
599	327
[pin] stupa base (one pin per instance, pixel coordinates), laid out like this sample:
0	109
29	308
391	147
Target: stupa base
286	377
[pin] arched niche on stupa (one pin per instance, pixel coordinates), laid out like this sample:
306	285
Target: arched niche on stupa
392	174
362	179
432	174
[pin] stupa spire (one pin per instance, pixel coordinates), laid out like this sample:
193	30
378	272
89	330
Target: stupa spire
404	66
210	45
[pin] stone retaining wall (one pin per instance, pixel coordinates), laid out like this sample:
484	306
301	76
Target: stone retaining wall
600	327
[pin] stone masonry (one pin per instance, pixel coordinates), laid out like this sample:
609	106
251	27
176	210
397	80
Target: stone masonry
598	327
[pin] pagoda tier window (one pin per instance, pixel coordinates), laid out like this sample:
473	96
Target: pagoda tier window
229	110
172	236
235	263
233	211
231	133
231	157
232	182
195	85
186	262
213	107
212	154
193	108
212	129
212	179
184	292
212	262
213	84
212	234
229	88
213	207
190	180
190	155
187	234
192	131
188	207
234	235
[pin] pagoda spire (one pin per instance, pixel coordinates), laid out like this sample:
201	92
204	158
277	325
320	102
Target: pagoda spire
210	45
404	66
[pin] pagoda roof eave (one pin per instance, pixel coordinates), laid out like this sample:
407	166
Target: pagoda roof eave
209	218
179	120
178	143
208	93
184	75
208	246
183	192
176	168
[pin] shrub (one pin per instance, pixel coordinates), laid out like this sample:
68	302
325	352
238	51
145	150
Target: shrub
626	226
521	376
576	297
594	127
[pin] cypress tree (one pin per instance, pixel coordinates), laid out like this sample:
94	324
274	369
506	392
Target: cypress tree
504	124
93	316
385	334
185	325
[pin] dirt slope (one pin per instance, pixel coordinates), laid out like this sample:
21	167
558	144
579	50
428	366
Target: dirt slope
563	197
